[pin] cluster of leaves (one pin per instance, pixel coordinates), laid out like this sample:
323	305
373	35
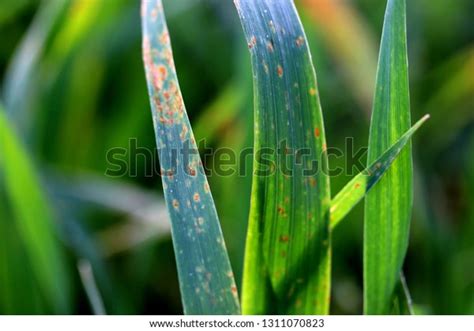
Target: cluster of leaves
288	248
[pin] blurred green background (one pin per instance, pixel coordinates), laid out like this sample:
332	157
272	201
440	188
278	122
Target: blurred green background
73	86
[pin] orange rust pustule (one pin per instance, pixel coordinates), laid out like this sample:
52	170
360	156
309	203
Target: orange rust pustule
252	43
270	46
280	71
159	74
317	132
175	204
281	210
300	41
191	171
284	238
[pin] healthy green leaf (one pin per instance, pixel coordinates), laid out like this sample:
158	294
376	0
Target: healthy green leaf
361	184
287	259
33	219
388	205
205	275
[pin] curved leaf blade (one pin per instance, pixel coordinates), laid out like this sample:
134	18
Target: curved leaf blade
205	275
354	191
287	256
388	205
33	219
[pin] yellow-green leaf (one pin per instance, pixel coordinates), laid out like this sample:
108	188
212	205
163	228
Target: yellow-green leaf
361	184
33	220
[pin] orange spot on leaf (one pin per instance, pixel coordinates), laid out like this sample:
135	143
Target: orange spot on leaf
280	71
175	204
270	46
284	238
317	132
300	41
252	42
281	210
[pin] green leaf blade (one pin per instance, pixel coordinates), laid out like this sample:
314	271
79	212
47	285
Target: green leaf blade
388	205
33	220
351	194
288	245
205	275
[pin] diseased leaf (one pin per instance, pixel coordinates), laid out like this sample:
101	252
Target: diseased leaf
388	205
287	259
33	220
205	275
361	184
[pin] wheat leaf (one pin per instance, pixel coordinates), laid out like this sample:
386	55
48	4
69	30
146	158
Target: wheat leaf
287	257
205	275
388	205
360	185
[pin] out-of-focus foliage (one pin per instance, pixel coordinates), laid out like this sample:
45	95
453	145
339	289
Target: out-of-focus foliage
86	94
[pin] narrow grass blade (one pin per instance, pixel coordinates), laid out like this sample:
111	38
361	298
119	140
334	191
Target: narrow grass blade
388	205
33	219
21	73
361	184
287	257
206	279
146	211
402	301
87	277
